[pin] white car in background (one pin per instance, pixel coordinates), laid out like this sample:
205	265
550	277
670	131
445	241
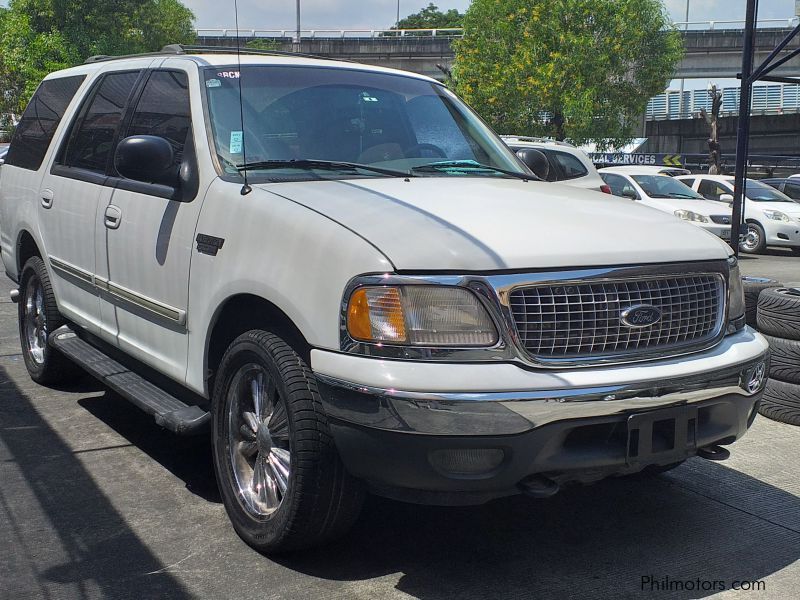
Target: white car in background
566	163
773	219
667	194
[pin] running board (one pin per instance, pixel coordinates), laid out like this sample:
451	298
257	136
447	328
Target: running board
168	411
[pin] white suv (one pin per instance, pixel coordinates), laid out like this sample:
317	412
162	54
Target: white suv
773	219
357	287
566	163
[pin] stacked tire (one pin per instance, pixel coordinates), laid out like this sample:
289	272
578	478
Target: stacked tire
779	321
753	286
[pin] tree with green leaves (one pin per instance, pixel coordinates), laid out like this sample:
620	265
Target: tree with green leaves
431	17
570	69
41	36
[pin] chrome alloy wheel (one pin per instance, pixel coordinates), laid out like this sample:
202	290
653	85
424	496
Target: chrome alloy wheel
258	441
751	240
35	322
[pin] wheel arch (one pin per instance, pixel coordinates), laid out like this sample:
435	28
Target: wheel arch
240	313
26	247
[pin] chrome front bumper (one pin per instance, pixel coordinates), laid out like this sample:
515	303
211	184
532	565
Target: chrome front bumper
510	413
394	439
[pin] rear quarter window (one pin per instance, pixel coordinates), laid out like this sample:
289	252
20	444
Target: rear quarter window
44	112
570	166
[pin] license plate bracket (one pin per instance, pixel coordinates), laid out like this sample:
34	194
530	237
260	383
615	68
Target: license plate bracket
662	436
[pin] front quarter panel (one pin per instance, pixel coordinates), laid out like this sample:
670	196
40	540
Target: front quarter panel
278	250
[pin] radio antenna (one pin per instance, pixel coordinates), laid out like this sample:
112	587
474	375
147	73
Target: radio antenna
246	189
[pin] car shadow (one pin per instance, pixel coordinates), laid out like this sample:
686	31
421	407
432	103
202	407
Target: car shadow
189	458
102	551
676	535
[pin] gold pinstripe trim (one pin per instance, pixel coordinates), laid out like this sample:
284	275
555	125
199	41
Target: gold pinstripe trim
172	314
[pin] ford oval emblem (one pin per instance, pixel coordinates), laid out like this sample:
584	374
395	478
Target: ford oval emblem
640	315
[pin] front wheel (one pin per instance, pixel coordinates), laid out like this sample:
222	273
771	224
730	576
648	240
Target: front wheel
280	477
755	240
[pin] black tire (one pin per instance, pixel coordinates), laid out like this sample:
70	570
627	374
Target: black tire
753	286
784	359
755	232
45	364
781	402
321	500
779	313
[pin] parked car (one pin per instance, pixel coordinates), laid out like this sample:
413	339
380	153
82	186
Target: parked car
3	152
789	186
773	219
649	170
667	194
565	163
355	284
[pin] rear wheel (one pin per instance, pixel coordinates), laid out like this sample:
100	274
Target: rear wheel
281	480
755	240
38	318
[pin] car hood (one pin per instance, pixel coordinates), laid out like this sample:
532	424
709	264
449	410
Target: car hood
790	208
479	224
702	207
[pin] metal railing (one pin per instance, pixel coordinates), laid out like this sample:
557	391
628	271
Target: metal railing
329	33
447	32
737	24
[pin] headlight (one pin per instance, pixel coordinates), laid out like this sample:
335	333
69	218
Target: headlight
688	215
736	305
777	215
419	315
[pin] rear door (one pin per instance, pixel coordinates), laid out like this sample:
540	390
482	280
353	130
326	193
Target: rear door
149	236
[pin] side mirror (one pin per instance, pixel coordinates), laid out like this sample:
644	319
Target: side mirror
147	158
536	161
629	193
726	198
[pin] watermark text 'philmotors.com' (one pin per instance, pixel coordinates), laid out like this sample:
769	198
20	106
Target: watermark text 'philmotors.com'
653	583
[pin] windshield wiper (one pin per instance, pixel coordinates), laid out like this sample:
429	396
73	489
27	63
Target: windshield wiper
471	164
677	195
328	165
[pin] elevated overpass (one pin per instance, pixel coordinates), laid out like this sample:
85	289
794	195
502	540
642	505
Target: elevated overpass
713	49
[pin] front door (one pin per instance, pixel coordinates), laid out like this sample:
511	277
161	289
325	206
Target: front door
149	237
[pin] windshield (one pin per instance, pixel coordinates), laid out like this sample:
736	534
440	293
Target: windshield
307	114
663	186
759	192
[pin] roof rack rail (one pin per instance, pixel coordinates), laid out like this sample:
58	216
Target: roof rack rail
537	140
177	49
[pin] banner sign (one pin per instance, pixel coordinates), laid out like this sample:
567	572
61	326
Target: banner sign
636	158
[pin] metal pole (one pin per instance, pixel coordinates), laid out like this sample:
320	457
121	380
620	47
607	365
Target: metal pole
397	22
680	99
743	130
297	34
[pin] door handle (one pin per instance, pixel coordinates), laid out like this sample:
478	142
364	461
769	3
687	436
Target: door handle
113	217
47	198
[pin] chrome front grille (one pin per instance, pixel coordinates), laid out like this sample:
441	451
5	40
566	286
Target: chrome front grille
583	319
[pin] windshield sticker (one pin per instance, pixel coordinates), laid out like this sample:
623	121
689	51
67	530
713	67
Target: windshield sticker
237	142
213	83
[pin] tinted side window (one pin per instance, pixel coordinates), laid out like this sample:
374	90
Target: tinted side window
711	189
615	182
39	121
571	167
93	134
163	110
689	182
792	190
